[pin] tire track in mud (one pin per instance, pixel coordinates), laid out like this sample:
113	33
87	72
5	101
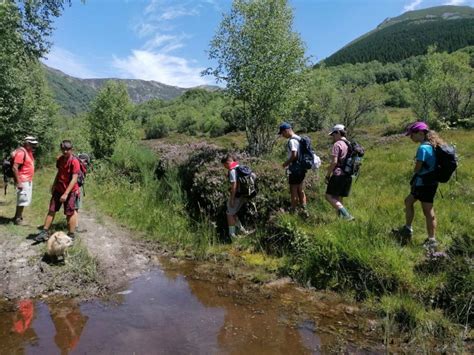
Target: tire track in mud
120	256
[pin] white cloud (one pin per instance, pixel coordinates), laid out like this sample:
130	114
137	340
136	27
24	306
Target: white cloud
455	2
160	67
412	5
67	62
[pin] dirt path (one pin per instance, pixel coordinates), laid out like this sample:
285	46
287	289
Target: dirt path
120	256
104	258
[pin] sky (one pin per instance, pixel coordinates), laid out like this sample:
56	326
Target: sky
167	40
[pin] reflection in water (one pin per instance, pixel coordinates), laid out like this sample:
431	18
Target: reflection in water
69	323
15	326
165	313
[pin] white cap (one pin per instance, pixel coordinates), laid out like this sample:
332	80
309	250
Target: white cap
30	139
336	128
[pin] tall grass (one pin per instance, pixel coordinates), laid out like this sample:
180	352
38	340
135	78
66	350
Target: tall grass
126	189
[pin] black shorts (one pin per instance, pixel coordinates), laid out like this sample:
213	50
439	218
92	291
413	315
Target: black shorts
424	193
296	178
339	185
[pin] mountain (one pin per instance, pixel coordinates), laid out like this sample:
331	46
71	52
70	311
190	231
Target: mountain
74	95
448	27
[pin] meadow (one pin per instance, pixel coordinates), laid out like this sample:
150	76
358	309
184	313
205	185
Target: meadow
428	299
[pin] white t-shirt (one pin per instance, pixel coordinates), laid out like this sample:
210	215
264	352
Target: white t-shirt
232	176
293	145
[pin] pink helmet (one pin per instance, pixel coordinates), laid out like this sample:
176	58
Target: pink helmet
416	127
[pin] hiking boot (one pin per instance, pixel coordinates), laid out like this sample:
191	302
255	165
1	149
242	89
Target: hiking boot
403	233
71	235
42	236
348	218
304	213
19	222
430	244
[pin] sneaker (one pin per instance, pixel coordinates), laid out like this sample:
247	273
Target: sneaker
430	244
42	236
71	235
348	218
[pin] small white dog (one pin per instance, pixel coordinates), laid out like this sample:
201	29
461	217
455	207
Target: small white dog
58	244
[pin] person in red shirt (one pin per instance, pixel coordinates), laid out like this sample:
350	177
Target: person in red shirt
23	171
65	191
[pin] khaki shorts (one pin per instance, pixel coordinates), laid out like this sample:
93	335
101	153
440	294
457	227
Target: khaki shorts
25	195
238	203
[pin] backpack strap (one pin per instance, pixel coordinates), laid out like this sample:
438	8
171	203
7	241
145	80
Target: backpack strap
24	156
349	148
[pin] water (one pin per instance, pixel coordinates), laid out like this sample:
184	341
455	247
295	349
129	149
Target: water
168	311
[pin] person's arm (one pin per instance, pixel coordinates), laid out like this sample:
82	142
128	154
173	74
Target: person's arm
233	191
331	167
69	187
75	168
291	159
16	168
418	166
16	176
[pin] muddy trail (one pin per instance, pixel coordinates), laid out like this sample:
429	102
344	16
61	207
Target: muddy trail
103	259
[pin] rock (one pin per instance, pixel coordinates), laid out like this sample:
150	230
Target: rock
279	283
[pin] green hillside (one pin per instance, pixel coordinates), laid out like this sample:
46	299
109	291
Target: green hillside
73	95
448	27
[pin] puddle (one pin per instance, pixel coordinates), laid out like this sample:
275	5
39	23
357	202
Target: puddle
165	311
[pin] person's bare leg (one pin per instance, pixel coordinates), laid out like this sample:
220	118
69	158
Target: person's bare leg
334	201
430	217
294	196
48	221
19	212
301	195
71	222
409	210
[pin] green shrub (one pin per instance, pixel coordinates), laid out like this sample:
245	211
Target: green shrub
156	128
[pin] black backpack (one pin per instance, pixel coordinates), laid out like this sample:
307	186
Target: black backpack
85	162
246	179
446	162
7	164
353	160
306	155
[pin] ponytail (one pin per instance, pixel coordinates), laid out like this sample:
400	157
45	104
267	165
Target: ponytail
433	138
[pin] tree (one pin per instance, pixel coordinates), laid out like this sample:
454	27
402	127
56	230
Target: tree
261	60
315	110
354	103
443	89
109	114
26	106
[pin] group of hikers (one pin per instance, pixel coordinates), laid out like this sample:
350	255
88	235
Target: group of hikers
344	157
65	190
342	167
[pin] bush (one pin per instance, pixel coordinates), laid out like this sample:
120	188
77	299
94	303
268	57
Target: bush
133	161
156	128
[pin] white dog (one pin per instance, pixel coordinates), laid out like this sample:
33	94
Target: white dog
58	244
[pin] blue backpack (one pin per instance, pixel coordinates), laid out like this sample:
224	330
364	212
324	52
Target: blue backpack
306	156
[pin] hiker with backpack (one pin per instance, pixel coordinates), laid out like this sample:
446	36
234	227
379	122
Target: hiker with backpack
21	167
338	178
65	191
242	188
435	161
295	169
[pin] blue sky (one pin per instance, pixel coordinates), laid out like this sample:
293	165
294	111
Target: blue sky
166	40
